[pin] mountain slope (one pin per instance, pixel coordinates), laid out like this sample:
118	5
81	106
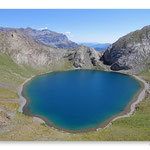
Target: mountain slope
25	50
46	37
130	52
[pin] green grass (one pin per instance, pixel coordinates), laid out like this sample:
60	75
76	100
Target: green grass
145	74
8	93
12	73
43	124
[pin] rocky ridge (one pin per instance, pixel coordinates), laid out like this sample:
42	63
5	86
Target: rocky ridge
46	37
131	52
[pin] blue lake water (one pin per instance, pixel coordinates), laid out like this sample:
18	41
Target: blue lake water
81	99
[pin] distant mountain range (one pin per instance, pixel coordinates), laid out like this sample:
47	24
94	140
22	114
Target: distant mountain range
97	46
46	37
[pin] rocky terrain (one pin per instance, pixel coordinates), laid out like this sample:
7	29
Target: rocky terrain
24	49
85	57
46	37
28	47
131	52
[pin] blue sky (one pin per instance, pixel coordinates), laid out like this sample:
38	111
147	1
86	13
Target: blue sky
80	25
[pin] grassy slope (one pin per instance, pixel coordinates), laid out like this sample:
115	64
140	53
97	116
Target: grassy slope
8	93
12	73
15	74
136	127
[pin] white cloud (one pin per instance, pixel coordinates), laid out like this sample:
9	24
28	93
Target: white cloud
67	32
44	28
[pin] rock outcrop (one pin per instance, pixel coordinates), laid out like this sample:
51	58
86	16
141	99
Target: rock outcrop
84	57
131	52
5	117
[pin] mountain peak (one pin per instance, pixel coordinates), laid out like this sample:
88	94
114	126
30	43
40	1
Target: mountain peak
46	37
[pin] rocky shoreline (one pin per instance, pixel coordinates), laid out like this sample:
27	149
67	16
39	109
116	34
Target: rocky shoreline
22	100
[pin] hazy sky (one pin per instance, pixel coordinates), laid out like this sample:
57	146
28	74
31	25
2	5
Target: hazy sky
84	25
